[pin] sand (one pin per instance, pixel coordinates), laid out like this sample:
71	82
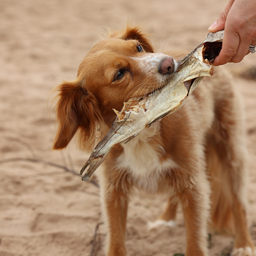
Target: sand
43	209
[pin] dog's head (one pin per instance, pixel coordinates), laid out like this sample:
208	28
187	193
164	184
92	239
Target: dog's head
117	68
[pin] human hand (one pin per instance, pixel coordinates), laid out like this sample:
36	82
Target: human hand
239	21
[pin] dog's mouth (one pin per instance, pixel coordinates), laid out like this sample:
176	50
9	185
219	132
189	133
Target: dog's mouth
188	84
159	88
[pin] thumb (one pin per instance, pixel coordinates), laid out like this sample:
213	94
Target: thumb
219	24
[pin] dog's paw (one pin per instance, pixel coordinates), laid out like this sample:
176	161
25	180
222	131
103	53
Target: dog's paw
247	251
154	224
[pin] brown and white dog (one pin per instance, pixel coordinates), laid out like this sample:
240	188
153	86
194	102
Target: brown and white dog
196	156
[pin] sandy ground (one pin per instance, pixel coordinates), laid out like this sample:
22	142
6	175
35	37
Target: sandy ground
43	209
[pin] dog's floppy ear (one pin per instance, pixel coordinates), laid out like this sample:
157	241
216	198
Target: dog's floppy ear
76	108
134	33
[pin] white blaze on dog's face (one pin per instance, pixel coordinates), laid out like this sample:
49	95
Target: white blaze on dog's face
157	64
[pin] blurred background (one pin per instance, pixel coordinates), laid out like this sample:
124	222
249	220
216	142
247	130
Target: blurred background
45	210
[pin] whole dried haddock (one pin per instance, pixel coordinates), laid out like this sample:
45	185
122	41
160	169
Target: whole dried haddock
139	113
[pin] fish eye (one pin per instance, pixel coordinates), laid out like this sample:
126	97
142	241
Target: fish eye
140	48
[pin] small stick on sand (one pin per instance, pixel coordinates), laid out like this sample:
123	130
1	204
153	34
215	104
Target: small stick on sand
36	160
95	243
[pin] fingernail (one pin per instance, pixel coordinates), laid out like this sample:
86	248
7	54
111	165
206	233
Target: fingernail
214	24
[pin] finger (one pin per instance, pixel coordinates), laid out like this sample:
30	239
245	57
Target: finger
219	24
241	51
229	49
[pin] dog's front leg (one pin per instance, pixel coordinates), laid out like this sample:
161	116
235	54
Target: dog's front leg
195	203
116	213
115	204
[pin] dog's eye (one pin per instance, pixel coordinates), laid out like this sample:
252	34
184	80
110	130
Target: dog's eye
139	48
119	74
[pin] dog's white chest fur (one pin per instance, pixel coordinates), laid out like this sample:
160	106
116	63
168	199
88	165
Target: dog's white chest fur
142	160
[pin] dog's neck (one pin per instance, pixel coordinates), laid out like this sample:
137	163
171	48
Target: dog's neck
143	158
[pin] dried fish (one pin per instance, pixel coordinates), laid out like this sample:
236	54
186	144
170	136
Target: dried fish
139	113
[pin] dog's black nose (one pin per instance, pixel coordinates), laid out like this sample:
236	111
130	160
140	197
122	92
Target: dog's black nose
166	66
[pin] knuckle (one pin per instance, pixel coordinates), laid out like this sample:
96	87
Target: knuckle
237	58
229	52
249	36
223	16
